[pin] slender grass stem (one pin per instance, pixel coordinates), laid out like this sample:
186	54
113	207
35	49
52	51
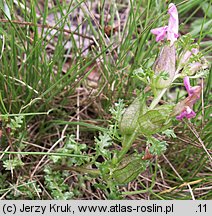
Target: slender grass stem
43	153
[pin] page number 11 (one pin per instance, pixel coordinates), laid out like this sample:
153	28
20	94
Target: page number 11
201	208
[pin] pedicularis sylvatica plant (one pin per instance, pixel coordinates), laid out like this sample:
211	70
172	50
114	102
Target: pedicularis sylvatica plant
179	58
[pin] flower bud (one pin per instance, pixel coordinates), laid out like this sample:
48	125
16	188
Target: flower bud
165	63
187	55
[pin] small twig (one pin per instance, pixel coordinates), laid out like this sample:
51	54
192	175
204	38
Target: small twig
2	197
22	83
29	143
65	128
45	26
203	111
8	147
189	187
44	189
95	172
183	185
195	144
193	130
3	43
73	117
78	115
42	159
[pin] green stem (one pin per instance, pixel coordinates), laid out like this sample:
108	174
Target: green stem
127	143
15	187
94	172
160	95
128	139
157	99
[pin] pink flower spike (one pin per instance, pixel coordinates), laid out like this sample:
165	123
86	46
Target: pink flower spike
170	31
173	26
159	32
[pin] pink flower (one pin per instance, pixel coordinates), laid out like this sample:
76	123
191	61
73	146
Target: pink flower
185	106
173	26
189	89
187	113
171	31
187	55
196	66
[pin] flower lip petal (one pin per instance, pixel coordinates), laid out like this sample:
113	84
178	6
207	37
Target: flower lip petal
190	113
159	32
187	113
181	116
